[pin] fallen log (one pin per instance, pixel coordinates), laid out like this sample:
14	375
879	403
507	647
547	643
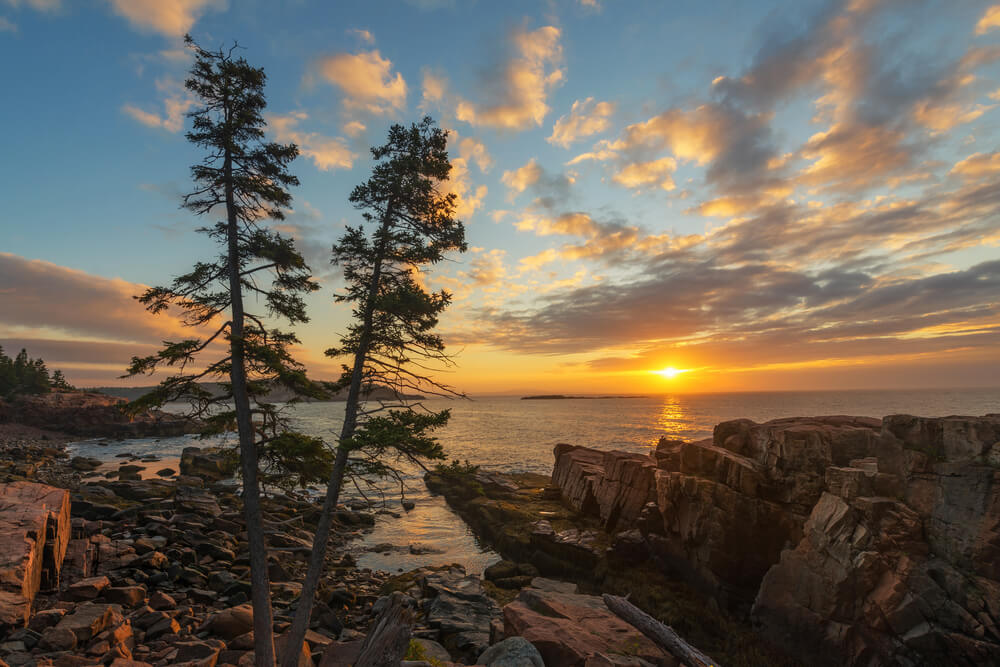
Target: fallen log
663	635
389	637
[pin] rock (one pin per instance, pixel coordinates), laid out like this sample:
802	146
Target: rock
341	654
58	639
206	464
457	606
90	619
84	463
862	582
127	596
431	650
34	533
166	472
87	589
500	570
419	549
230	623
512	652
575	630
305	657
160	600
45	619
202	652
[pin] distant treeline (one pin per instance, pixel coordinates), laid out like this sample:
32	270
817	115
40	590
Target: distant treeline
24	375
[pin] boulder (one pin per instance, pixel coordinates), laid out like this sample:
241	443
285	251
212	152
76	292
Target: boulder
512	652
34	533
207	464
230	623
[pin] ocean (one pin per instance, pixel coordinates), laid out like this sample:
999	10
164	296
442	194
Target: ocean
507	433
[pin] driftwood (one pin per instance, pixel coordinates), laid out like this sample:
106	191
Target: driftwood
662	635
389	637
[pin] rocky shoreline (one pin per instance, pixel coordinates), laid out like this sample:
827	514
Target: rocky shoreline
842	540
834	540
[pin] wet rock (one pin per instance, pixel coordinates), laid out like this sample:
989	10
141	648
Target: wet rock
84	463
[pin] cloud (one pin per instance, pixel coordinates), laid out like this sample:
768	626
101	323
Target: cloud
517	92
470	151
989	21
172	18
327	153
366	79
978	164
640	174
518	180
473	149
353	128
584	119
364	35
71	303
7	26
176	103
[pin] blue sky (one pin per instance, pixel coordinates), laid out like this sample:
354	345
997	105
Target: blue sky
764	194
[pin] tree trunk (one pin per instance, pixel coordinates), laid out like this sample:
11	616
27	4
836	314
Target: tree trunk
663	635
260	591
322	537
389	637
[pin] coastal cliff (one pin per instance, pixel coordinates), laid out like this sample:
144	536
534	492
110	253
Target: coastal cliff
91	415
850	541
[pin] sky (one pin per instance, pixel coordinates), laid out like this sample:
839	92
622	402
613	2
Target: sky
670	196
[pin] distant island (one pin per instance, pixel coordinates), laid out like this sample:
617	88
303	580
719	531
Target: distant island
563	397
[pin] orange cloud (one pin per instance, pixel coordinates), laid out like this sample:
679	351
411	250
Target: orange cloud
989	21
176	103
520	179
584	119
326	152
367	80
172	18
520	93
640	174
978	164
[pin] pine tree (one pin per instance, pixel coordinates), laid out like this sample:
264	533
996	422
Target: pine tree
391	341
247	179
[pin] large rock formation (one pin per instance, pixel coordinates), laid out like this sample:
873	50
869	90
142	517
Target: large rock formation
857	540
91	414
34	531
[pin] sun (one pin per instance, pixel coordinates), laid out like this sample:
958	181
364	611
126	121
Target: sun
670	372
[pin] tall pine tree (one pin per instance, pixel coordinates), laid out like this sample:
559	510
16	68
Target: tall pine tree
391	340
246	179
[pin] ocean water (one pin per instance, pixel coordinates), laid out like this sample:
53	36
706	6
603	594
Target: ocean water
506	433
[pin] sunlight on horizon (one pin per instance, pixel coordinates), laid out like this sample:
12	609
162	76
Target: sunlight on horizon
670	372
